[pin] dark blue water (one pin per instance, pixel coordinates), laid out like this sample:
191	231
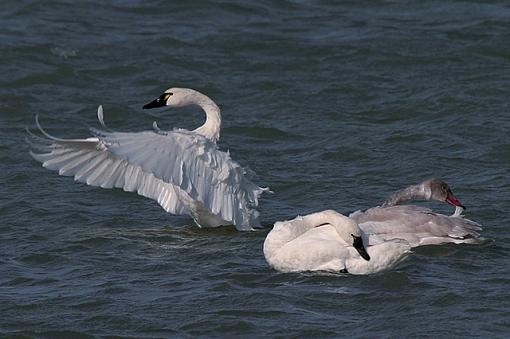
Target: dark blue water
331	105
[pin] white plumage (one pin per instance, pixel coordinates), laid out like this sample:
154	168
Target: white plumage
328	241
184	171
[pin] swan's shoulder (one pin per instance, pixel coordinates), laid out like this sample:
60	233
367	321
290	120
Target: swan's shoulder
354	215
192	136
381	214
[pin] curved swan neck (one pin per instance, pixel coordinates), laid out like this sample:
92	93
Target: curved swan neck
287	231
211	128
338	221
329	217
413	192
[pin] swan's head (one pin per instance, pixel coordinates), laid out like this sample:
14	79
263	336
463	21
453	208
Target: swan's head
174	97
440	191
357	243
348	230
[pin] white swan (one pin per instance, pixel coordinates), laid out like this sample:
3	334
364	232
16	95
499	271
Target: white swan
328	241
184	171
418	225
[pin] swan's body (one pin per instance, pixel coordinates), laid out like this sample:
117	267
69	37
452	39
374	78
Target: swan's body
323	241
417	225
184	171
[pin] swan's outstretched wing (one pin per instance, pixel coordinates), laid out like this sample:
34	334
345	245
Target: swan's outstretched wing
174	168
415	224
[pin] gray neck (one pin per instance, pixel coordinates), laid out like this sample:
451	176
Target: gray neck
211	128
415	192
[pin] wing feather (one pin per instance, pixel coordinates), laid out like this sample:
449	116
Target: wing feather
177	169
415	224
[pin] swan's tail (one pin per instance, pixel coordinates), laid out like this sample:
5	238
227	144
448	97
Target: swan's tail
464	229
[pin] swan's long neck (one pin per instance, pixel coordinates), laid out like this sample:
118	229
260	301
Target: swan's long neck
414	192
211	128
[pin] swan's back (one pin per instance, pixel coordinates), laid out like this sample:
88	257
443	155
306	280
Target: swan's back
319	248
417	225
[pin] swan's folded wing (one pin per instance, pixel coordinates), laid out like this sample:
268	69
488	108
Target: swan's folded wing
416	222
155	164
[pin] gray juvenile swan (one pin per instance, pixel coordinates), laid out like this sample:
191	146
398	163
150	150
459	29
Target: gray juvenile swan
418	225
184	171
432	189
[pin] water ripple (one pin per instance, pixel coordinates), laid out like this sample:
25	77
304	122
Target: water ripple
332	105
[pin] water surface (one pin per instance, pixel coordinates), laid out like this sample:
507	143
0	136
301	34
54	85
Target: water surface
331	105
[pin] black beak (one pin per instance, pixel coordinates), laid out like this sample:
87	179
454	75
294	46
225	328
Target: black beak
358	245
159	102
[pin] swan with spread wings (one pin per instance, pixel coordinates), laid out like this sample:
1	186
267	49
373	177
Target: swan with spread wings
184	171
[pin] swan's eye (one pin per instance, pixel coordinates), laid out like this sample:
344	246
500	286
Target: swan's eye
444	188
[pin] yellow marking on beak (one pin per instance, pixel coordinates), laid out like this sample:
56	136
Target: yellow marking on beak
167	96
